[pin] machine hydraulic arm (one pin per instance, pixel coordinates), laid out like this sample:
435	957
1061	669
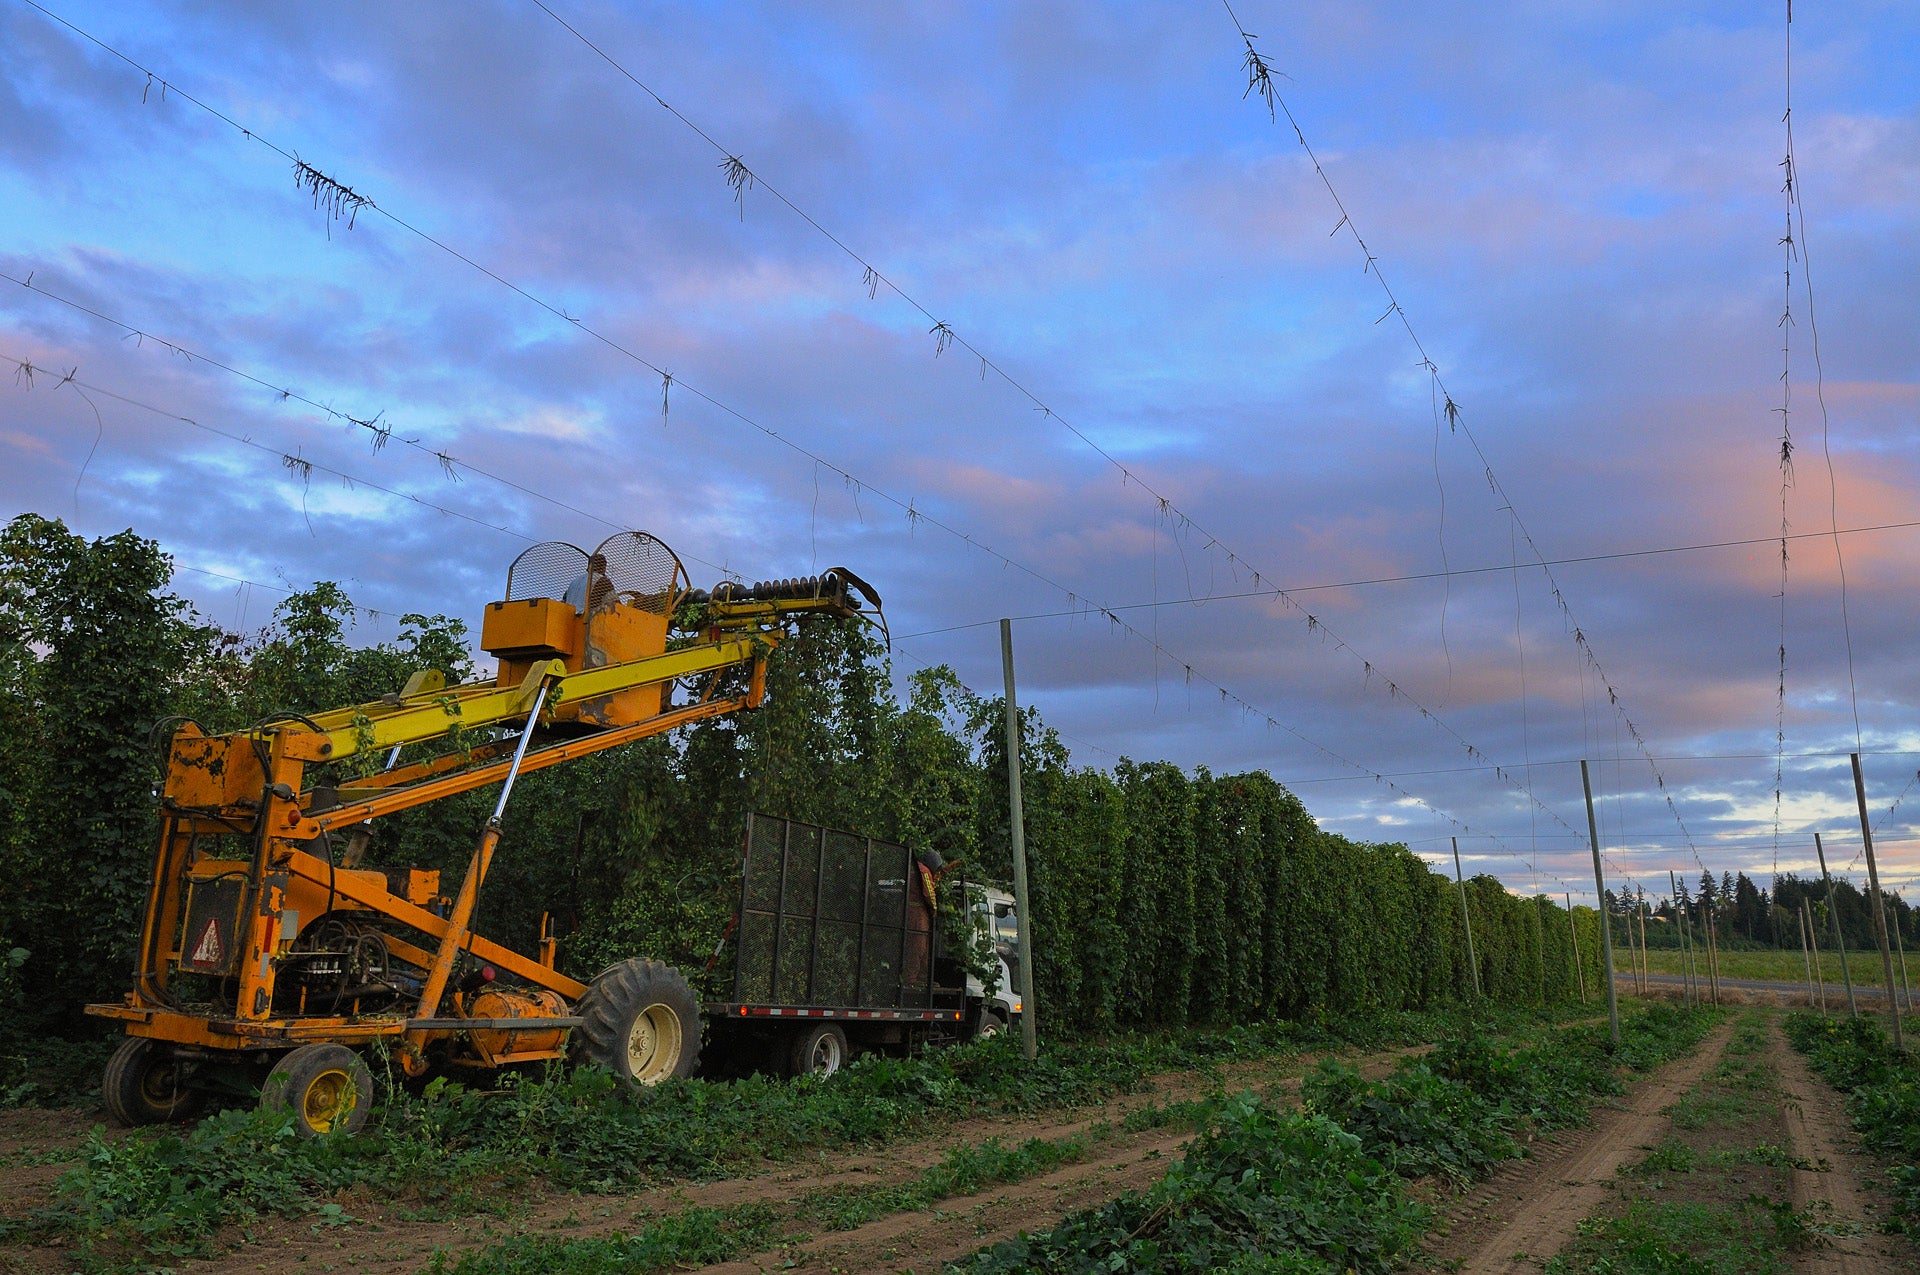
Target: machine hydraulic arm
258	888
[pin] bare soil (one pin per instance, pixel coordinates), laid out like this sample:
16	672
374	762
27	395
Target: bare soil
1527	1211
1830	1169
384	1239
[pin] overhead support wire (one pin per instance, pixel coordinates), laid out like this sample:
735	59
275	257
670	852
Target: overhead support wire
945	337
293	462
1260	73
915	515
379	431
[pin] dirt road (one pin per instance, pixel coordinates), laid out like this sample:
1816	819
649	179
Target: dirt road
1527	1211
1785	1134
385	1240
1830	1174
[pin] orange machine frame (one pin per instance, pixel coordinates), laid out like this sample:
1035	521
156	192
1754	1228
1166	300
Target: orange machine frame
574	680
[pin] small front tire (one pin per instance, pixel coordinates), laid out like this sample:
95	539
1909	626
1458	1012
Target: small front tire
642	1022
327	1088
991	1025
818	1051
146	1084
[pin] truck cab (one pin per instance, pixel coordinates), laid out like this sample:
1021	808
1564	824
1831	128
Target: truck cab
998	918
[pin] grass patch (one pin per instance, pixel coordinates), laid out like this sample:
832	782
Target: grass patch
964	1171
443	1152
1257	1185
1658	1237
692	1237
1775	965
1691	1208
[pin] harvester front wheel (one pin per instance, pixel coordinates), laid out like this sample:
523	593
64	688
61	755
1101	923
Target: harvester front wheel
146	1084
642	1022
328	1088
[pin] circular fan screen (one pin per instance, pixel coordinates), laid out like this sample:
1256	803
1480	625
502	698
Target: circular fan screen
638	570
545	570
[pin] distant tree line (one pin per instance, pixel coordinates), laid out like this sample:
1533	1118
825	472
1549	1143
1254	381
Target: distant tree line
1743	914
1162	897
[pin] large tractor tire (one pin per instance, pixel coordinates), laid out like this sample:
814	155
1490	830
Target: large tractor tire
328	1088
818	1051
642	1022
146	1084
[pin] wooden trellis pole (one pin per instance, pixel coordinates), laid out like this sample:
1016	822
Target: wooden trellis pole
1460	880
1606	924
1574	930
1839	935
1877	902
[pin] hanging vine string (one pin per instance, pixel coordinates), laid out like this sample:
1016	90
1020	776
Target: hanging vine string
1180	522
1786	453
379	430
915	515
1262	71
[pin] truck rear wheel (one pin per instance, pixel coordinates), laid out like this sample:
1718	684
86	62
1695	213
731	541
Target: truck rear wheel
328	1088
145	1084
642	1022
818	1051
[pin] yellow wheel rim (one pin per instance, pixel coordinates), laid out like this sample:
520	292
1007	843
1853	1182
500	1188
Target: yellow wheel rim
653	1044
330	1098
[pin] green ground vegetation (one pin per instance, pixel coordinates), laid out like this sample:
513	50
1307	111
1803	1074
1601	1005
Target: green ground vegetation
1715	1196
1883	1095
1779	965
1324	1189
447	1150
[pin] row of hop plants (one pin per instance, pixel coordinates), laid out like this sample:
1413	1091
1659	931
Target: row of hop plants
1168	899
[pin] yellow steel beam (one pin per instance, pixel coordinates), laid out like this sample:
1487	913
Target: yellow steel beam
466	781
414	723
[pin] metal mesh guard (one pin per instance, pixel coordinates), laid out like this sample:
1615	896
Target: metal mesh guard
640	571
545	570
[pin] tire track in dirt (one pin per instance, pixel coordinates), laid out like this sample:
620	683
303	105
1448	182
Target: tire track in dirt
1528	1210
956	1227
1828	1167
384	1244
960	1225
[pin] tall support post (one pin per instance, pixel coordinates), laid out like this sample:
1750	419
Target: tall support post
1686	946
1877	902
1633	949
1606	924
1640	914
1806	958
1017	823
1839	935
1574	930
1695	956
1900	947
1813	934
1713	955
1460	880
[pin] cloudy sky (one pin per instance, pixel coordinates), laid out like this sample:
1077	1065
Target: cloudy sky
1031	310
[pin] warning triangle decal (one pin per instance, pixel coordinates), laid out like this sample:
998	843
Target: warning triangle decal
209	951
